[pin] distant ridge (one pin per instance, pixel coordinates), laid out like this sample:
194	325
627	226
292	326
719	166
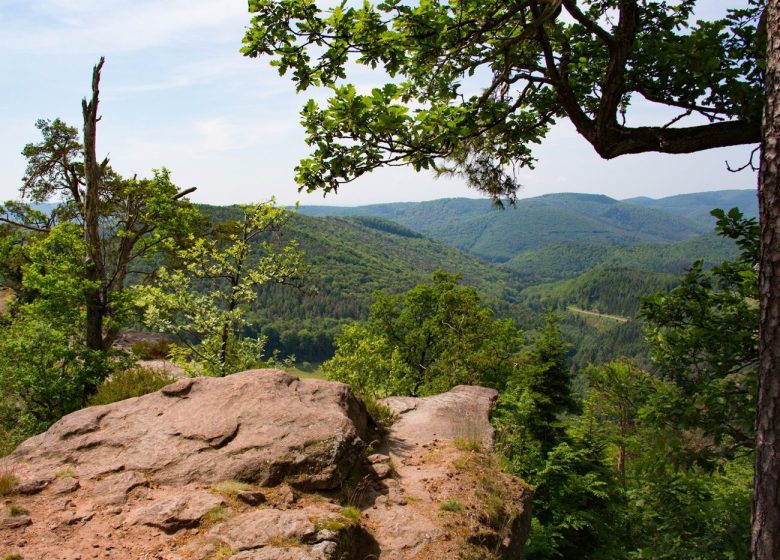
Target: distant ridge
475	225
697	206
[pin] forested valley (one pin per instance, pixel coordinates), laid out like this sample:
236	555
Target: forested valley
630	345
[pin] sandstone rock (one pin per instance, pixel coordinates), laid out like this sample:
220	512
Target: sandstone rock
65	485
261	426
142	469
32	486
463	412
381	470
16	521
115	488
276	553
257	528
176	513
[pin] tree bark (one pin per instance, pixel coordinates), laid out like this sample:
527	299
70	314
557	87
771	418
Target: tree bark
93	174
766	497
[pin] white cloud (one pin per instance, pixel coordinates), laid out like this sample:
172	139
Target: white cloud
118	26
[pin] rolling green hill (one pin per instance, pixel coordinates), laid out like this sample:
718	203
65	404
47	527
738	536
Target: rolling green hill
697	206
596	221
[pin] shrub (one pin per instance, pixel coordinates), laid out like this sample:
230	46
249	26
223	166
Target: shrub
132	382
382	416
154	350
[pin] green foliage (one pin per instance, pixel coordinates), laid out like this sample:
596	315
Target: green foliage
473	86
154	350
132	382
704	338
536	397
203	301
604	290
46	370
423	342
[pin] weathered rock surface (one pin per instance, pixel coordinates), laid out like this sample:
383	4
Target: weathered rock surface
257	426
253	467
446	488
136	479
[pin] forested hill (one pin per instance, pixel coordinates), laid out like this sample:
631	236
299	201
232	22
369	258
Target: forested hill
477	226
349	258
697	206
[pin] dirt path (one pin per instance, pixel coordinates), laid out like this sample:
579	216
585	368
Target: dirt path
581	311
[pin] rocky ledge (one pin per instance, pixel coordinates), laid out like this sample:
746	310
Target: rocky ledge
262	465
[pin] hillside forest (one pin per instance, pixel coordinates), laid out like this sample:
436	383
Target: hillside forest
622	336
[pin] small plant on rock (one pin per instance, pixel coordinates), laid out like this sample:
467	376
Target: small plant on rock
451	506
15	510
8	482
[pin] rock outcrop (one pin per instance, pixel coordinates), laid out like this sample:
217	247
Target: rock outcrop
262	465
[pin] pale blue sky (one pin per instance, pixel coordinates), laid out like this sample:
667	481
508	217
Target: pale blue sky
176	92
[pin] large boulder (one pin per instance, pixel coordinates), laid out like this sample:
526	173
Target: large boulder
259	426
262	465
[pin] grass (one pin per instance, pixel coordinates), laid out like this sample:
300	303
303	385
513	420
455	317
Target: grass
383	417
16	510
351	514
305	371
451	506
8	482
223	552
282	542
231	488
468	444
129	383
350	517
12	557
214	515
66	473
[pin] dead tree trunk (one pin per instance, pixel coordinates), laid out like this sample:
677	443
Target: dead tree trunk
93	176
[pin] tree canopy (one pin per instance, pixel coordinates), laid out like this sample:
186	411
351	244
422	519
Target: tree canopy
425	341
473	85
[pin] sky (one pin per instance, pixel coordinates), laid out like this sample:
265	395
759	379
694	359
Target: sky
176	92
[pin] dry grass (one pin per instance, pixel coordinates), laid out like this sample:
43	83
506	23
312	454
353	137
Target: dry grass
8	482
223	552
231	488
283	542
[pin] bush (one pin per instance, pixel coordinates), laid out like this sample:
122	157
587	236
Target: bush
132	382
151	350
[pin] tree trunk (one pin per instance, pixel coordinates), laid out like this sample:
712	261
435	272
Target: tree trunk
766	497
93	172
